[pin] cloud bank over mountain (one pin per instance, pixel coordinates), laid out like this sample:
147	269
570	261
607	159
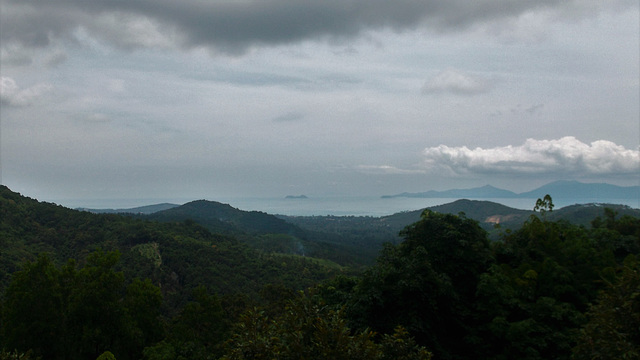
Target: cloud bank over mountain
567	156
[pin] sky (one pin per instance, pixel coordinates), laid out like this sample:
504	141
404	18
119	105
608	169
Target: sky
196	99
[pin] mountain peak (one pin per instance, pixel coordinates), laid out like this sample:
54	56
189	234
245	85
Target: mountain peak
560	189
486	191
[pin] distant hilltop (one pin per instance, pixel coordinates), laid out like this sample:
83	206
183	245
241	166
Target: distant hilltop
148	209
296	197
558	190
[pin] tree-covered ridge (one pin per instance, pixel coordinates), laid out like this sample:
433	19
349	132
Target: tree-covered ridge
147	209
176	257
221	218
525	296
264	232
175	254
369	233
176	290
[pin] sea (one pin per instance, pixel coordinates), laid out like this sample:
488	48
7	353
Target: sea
377	206
374	206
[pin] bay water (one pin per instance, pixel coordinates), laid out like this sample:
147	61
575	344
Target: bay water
377	206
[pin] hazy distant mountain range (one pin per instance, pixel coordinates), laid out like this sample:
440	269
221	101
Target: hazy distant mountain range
489	213
148	209
591	192
330	235
558	190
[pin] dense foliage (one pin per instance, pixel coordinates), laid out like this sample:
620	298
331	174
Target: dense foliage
265	232
78	313
530	295
179	256
76	285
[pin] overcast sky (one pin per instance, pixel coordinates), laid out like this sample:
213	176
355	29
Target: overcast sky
212	99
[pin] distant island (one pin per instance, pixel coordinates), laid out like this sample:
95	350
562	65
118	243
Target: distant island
562	189
296	197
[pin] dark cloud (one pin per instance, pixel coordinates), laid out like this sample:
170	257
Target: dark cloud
55	59
15	56
233	26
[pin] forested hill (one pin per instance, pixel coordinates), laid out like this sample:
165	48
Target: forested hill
139	289
178	255
268	233
369	233
95	260
220	217
489	213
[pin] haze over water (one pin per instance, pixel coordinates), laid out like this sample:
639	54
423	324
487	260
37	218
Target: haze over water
334	205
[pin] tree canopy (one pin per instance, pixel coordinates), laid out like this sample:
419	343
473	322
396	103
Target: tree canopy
109	286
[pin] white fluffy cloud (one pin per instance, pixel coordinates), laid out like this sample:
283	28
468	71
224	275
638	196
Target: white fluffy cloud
386	169
12	95
455	82
567	155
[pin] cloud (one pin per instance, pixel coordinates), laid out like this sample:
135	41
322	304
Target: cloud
234	26
386	169
567	155
289	117
534	108
455	82
129	31
12	95
15	55
55	59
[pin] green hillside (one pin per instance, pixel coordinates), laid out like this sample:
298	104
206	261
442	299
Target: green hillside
78	285
176	255
262	231
368	234
225	218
